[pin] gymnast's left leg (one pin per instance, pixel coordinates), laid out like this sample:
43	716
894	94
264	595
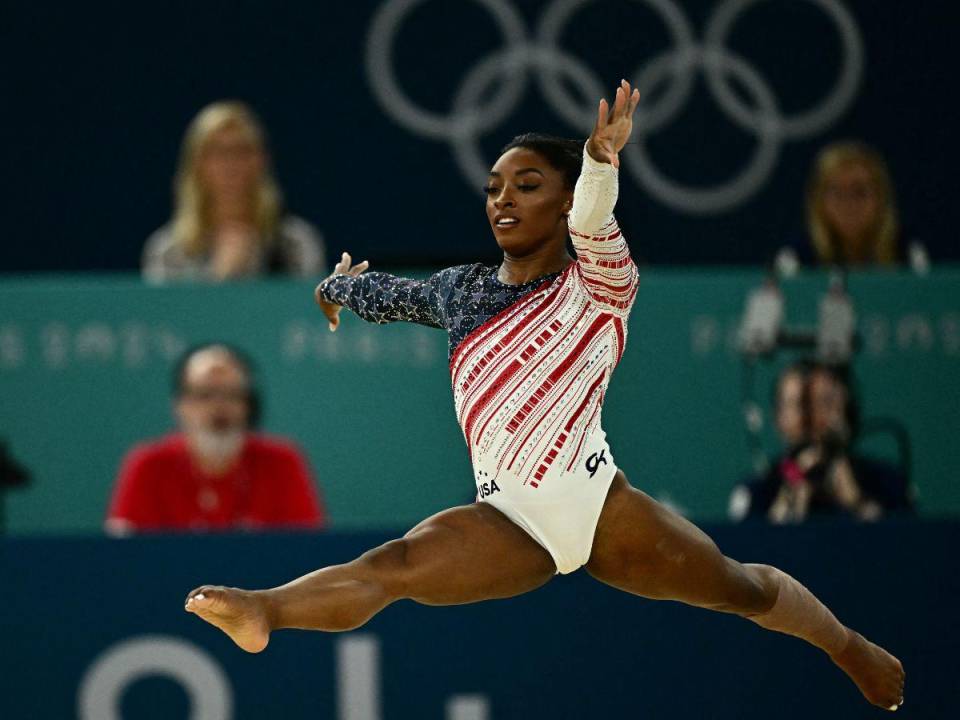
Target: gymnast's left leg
436	563
645	549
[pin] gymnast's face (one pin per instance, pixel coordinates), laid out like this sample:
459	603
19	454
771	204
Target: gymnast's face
527	202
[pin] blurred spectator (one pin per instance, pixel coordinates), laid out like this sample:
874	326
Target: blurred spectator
12	475
228	221
216	473
819	473
852	214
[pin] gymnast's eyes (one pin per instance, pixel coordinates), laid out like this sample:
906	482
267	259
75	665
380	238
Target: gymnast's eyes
493	189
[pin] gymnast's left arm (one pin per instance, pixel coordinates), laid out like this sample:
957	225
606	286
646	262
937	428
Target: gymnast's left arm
603	258
378	297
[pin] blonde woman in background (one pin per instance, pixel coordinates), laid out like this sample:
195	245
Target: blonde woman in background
852	216
228	221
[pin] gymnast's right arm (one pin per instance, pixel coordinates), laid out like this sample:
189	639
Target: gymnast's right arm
379	297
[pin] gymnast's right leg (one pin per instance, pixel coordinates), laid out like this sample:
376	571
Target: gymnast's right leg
648	550
462	555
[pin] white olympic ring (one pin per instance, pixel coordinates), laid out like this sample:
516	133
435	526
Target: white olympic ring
383	31
812	121
465	148
551	26
751	179
468	119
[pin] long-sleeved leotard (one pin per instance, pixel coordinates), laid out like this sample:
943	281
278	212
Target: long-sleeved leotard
529	364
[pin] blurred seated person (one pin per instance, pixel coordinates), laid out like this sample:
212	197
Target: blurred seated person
12	475
228	222
852	215
216	473
819	474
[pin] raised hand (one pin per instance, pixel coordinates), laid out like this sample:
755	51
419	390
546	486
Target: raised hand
613	126
343	267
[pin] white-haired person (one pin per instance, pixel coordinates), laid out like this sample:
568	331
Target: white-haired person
228	220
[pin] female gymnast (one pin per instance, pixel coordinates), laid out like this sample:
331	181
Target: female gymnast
533	343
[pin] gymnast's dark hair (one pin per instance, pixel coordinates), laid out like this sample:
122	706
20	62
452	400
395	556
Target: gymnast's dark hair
563	154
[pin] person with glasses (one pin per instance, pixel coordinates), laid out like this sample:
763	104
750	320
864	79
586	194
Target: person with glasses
216	473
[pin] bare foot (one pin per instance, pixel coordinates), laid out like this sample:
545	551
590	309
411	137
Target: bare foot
877	673
241	614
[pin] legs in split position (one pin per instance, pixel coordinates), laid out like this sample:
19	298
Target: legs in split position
639	546
436	563
645	549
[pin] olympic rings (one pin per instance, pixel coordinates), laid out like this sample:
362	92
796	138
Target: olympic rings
468	119
558	15
751	179
465	148
384	29
811	121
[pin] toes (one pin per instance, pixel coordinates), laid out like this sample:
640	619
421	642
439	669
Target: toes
890	699
206	600
202	598
199	590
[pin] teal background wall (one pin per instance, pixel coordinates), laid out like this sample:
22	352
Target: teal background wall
85	364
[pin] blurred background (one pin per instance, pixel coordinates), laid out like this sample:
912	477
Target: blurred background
179	177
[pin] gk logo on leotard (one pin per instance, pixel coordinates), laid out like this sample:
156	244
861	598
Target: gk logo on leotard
595	461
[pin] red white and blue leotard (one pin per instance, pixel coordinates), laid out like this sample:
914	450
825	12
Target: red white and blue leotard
530	365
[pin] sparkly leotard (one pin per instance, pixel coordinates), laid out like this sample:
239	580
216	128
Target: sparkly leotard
530	365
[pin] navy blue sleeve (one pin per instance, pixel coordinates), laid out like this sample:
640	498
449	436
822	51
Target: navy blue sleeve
381	298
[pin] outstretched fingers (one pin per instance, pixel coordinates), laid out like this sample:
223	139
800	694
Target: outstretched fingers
619	102
627	100
601	130
603	112
359	268
346	266
614	124
631	98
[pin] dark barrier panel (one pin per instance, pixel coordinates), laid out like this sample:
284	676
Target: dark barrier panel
102	93
80	617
